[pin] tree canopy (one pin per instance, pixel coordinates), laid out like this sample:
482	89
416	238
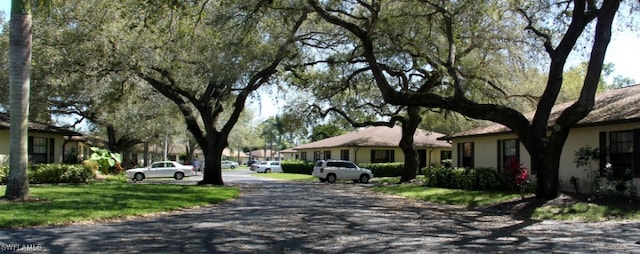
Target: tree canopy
472	46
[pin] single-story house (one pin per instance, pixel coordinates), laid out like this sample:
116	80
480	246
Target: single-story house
288	154
613	126
46	143
77	148
265	155
227	154
377	145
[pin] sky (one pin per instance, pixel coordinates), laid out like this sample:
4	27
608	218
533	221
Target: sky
623	50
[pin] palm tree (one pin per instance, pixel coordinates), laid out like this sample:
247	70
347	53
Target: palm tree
19	82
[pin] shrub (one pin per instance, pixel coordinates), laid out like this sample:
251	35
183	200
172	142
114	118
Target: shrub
91	164
107	161
384	169
297	167
438	176
487	179
4	173
462	178
59	173
53	173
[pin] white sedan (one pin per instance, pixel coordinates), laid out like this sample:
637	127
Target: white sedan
229	164
267	167
161	169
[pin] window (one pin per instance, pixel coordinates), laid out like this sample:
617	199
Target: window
340	164
344	155
382	156
327	155
303	156
39	150
620	148
508	152
621	153
445	158
316	156
465	154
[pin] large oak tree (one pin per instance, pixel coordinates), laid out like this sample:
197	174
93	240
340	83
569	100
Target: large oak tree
463	42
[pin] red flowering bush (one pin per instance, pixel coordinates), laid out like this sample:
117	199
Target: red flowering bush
516	175
523	177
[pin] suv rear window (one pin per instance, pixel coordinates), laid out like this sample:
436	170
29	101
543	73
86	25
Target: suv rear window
319	164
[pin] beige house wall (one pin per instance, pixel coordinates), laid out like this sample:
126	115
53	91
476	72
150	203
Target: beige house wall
4	145
361	155
485	152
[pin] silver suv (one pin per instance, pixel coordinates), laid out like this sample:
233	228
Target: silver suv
332	170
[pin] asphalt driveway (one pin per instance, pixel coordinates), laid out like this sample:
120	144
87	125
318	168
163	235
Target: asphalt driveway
287	217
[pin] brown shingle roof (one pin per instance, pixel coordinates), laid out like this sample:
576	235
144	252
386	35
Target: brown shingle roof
263	153
378	137
618	105
37	127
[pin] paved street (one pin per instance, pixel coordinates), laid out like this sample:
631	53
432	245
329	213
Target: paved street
284	217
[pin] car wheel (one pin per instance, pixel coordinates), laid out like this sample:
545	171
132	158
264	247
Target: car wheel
178	175
331	178
138	177
233	167
364	178
267	170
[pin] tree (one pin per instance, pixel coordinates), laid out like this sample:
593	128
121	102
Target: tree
323	131
350	95
239	51
464	34
20	27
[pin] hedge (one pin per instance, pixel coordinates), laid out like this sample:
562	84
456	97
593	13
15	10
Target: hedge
297	167
384	169
53	173
463	178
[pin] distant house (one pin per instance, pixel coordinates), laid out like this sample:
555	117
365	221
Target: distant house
237	156
288	154
174	153
376	145
265	155
77	148
613	126
46	143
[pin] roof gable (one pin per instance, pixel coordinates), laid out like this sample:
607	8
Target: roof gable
618	105
379	136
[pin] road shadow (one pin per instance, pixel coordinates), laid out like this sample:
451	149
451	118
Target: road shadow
291	217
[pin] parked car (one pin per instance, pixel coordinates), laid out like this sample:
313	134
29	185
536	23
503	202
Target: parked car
161	169
333	170
267	167
229	164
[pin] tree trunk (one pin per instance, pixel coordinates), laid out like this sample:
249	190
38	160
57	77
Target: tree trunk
213	162
19	79
411	160
111	135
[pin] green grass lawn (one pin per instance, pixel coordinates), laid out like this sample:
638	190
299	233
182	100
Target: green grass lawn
111	199
576	210
447	196
288	176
